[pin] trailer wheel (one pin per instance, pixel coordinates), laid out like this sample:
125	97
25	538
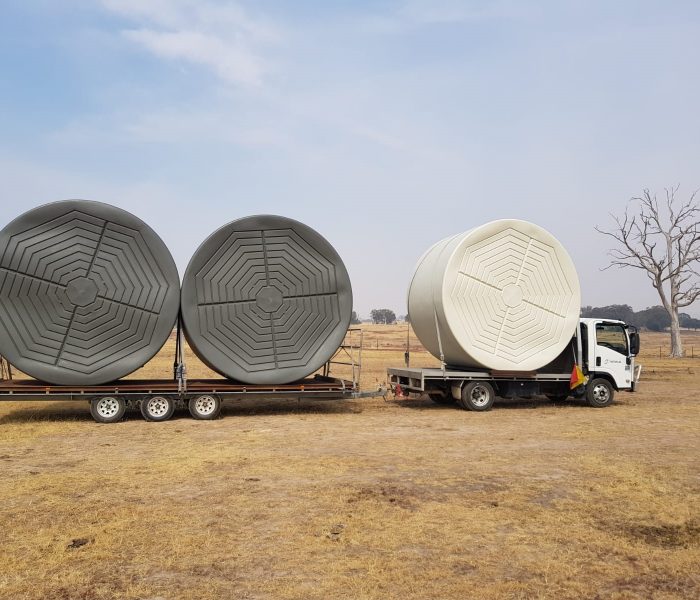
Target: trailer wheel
599	393
477	395
441	398
557	397
157	408
108	409
205	407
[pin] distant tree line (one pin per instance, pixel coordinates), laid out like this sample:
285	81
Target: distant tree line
654	318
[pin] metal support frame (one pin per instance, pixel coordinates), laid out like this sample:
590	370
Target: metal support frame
349	354
5	369
179	367
439	339
578	354
407	354
350	350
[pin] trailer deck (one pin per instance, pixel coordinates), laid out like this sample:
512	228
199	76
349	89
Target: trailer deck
414	380
317	387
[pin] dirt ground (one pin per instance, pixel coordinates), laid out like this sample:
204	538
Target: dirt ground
369	498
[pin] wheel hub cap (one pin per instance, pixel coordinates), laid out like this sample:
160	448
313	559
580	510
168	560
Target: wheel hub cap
107	407
158	407
205	405
479	396
600	392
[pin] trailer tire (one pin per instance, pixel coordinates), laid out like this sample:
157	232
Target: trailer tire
206	407
477	395
599	393
108	409
157	408
443	399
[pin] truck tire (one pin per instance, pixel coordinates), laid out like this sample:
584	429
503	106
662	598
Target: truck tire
157	408
477	395
599	393
205	407
443	399
557	397
108	409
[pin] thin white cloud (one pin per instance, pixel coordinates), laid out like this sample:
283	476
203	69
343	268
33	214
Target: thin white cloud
412	14
178	126
458	11
165	13
230	61
221	38
200	15
174	126
226	40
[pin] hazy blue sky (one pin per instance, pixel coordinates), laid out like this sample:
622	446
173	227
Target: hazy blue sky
385	125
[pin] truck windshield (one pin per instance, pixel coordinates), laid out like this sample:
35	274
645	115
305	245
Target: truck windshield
612	336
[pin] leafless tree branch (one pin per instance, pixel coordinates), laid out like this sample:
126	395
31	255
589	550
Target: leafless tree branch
665	244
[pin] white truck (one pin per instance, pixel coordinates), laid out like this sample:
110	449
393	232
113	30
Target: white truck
604	351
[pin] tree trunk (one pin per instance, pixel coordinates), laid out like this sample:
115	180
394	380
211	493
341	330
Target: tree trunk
676	341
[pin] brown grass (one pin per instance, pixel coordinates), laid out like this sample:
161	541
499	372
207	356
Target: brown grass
359	499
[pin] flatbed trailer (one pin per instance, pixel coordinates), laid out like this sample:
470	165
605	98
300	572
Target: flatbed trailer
158	398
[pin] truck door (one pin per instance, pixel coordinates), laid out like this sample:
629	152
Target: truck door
612	354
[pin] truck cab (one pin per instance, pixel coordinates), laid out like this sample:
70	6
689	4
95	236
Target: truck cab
608	350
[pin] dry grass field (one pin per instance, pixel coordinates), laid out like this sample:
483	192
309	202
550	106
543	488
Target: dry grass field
372	498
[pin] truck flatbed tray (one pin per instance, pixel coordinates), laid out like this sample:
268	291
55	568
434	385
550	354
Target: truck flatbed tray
414	379
15	389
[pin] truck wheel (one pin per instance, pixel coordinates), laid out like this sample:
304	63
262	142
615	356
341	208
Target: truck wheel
157	408
557	397
599	393
441	398
477	395
205	407
108	409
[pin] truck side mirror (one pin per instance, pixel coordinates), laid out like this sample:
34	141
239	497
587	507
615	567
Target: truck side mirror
634	341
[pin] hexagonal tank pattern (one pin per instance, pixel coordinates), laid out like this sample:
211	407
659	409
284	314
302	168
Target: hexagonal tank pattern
88	293
266	299
502	296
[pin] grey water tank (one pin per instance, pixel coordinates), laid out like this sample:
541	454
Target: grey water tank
502	296
266	299
88	293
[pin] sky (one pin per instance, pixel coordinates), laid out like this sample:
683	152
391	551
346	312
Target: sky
386	126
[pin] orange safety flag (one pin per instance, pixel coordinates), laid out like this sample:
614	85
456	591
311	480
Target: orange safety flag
577	377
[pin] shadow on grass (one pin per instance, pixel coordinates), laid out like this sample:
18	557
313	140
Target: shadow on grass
282	406
425	403
54	411
80	411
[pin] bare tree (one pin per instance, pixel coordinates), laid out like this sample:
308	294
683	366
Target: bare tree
664	242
